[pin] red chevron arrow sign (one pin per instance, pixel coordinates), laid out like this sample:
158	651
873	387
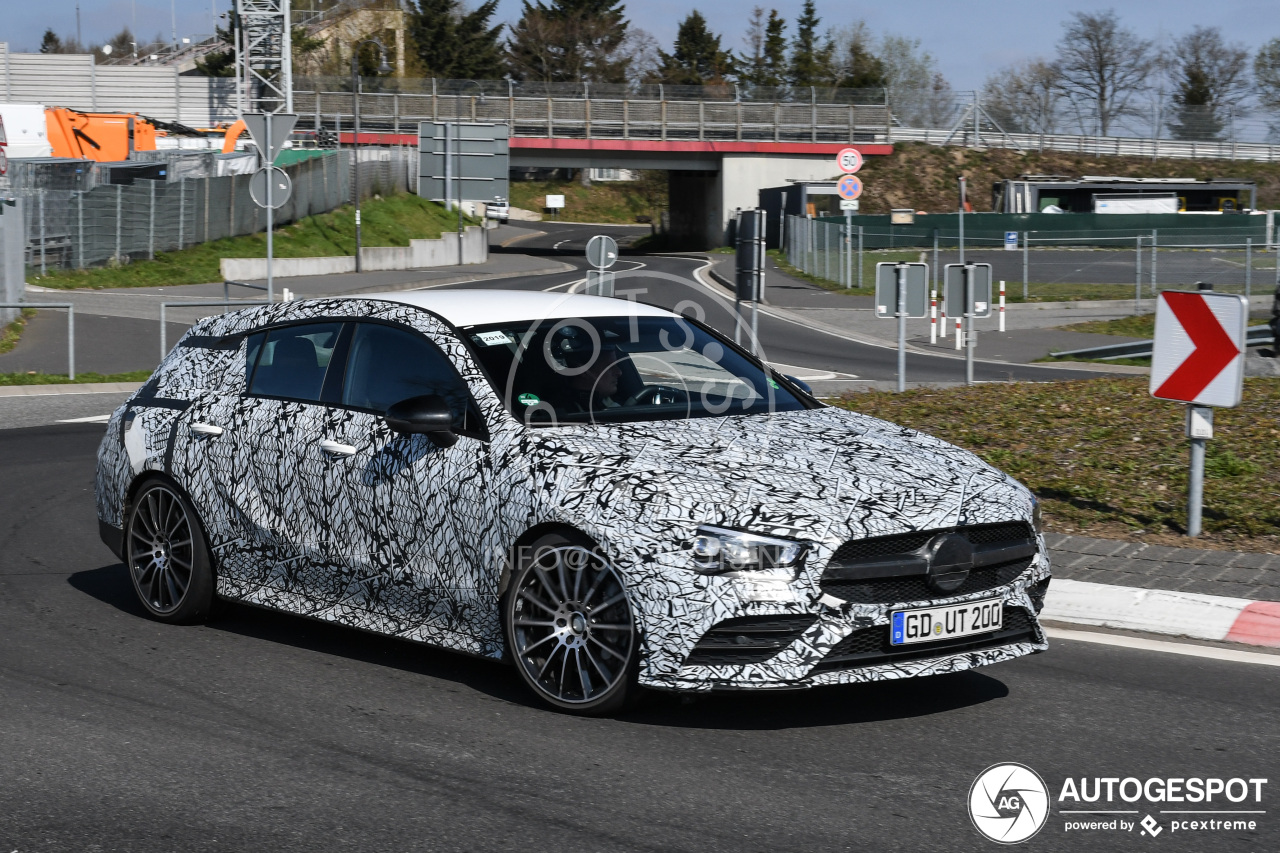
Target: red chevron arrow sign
1198	355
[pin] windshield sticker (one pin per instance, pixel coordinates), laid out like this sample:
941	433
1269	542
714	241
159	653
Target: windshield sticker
528	399
491	339
773	384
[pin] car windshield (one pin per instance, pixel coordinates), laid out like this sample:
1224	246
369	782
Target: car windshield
614	369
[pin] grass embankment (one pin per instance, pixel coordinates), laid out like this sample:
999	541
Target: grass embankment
923	177
391	221
1140	325
614	202
61	378
1107	459
9	334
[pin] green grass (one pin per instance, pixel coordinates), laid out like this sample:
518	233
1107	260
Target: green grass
391	221
10	334
62	379
610	203
1138	326
1109	460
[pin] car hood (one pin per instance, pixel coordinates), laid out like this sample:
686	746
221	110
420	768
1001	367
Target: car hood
825	474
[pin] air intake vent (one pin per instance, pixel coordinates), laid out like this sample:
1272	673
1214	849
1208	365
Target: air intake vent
748	639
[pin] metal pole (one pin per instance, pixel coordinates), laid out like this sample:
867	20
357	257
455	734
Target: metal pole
164	344
968	327
961	222
860	260
151	221
271	218
71	342
1195	483
457	152
119	217
355	144
848	249
1026	264
1137	276
182	211
902	327
80	228
1153	263
43	240
1248	267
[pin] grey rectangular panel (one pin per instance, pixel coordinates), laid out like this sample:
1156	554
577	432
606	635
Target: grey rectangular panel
917	285
979	295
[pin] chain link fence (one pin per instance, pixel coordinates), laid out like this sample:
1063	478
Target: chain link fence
117	223
1041	266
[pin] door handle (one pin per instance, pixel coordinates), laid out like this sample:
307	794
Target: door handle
206	429
337	448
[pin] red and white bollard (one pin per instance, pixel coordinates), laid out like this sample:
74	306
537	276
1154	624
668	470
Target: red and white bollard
1002	306
959	334
933	317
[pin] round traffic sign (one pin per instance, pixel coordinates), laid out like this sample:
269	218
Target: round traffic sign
849	187
281	187
602	251
849	160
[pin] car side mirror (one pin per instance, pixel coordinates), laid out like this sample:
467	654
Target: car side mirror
426	415
800	383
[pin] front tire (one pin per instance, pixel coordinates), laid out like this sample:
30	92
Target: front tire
167	557
570	628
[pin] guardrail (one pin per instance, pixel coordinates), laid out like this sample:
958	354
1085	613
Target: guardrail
1120	146
71	327
1255	336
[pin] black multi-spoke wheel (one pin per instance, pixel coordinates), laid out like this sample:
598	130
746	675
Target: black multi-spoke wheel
570	627
166	554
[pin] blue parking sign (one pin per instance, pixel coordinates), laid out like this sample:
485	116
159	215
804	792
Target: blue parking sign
1011	241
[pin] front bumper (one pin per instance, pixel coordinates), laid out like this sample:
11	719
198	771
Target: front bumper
850	644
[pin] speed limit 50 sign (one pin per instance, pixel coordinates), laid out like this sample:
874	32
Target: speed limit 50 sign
849	160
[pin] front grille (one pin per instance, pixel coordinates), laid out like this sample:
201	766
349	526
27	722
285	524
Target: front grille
892	569
870	646
748	639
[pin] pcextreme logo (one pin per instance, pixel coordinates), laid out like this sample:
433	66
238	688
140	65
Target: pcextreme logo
1009	803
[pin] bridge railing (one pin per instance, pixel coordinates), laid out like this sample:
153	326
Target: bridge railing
603	118
1120	146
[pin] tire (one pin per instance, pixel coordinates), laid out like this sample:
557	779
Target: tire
570	629
166	554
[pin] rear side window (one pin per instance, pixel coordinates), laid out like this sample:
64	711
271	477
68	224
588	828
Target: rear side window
387	364
292	362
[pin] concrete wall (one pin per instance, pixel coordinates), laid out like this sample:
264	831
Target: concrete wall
742	176
419	254
13	244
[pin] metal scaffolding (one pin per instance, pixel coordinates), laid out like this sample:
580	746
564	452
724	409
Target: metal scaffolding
264	60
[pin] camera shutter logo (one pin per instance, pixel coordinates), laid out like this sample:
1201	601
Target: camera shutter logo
1008	803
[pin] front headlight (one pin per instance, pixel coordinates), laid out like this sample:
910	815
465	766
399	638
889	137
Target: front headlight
1037	515
716	549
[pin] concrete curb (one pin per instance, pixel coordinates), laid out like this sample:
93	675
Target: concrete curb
1184	614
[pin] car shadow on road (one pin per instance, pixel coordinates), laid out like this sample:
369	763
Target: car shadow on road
110	585
822	706
846	704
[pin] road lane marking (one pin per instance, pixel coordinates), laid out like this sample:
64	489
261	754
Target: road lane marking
92	419
1189	649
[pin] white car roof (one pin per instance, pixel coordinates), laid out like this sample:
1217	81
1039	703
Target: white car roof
462	307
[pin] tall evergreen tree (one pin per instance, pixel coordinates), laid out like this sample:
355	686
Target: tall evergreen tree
697	58
765	65
1211	79
860	67
810	59
50	43
452	43
570	41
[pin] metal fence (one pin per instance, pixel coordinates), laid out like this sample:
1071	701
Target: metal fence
1042	266
113	224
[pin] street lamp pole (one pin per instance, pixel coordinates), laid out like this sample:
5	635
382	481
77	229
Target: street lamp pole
383	68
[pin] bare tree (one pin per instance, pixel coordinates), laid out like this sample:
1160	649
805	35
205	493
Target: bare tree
1102	64
1266	73
1210	80
919	96
1024	98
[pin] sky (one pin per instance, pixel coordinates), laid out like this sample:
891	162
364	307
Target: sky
970	39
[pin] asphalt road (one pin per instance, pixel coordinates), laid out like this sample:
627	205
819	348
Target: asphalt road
260	731
669	281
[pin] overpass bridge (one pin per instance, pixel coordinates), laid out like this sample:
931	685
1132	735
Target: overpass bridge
718	152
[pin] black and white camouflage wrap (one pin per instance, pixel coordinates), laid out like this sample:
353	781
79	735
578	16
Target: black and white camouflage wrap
408	539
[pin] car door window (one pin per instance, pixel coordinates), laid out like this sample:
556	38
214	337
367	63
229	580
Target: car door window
292	361
387	364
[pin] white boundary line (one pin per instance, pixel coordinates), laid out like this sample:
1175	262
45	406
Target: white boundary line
1144	644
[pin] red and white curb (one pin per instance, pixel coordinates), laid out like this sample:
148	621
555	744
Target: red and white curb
1157	611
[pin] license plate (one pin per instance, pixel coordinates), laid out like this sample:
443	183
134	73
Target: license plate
927	624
